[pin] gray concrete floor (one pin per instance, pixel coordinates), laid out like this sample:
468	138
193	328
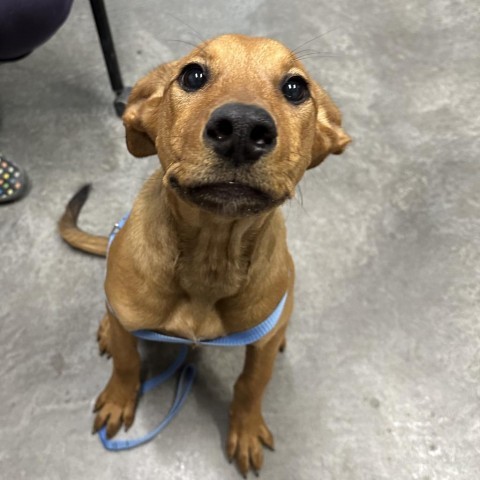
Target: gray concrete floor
381	379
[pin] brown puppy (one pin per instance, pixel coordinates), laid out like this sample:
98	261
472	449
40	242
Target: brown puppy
203	254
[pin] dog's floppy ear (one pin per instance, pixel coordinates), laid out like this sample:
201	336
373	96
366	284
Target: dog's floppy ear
140	114
329	135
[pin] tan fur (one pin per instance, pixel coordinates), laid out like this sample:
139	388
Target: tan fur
74	236
182	270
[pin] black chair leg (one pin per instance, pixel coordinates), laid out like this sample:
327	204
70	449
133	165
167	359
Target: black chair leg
108	49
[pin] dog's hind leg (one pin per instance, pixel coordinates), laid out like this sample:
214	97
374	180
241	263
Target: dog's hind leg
103	336
117	403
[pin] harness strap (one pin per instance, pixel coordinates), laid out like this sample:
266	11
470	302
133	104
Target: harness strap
238	339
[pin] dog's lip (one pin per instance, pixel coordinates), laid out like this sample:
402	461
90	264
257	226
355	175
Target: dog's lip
230	189
229	196
227	189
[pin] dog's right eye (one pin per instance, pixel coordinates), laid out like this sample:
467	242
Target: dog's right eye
295	89
193	77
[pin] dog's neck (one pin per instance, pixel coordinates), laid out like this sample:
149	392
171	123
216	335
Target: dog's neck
221	238
206	255
214	253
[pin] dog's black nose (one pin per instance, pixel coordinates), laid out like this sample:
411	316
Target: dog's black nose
241	133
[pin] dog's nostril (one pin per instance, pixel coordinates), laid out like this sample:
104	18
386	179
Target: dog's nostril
221	130
225	128
173	181
261	135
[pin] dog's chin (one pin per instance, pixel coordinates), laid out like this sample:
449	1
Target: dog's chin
231	199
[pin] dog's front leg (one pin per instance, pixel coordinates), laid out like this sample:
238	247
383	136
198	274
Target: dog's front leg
248	430
116	404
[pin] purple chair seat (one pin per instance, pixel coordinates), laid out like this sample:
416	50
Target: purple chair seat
27	24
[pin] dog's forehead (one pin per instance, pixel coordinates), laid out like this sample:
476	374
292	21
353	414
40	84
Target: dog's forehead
240	51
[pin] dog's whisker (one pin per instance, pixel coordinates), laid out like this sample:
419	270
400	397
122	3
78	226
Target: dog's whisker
315	38
298	55
197	34
310	50
300	202
300	194
186	42
308	55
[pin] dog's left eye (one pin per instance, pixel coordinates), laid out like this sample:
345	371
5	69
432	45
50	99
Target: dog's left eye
295	89
193	77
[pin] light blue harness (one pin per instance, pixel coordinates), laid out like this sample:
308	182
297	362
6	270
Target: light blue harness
187	371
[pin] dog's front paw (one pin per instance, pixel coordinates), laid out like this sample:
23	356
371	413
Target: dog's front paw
248	433
116	405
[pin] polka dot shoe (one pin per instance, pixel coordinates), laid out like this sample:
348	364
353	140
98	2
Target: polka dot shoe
13	181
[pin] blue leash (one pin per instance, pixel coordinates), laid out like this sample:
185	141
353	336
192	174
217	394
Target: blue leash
187	371
185	381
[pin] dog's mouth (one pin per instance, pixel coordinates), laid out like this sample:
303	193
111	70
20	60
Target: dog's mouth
230	198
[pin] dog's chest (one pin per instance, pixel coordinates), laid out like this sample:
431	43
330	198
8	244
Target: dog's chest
211	274
206	275
213	263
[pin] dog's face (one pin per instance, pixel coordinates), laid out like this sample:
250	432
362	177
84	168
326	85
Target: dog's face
235	124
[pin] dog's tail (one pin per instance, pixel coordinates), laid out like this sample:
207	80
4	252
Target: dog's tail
74	236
